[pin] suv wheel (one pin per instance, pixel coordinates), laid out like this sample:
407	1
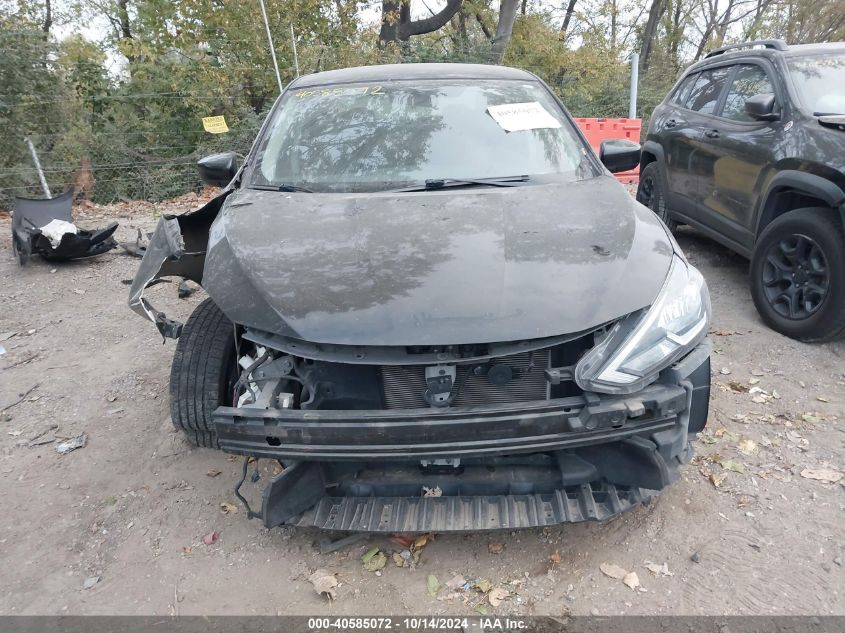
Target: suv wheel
651	192
798	275
203	373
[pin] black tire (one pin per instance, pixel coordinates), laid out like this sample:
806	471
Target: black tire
798	275
203	373
651	192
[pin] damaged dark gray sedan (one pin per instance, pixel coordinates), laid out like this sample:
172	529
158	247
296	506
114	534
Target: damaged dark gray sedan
436	308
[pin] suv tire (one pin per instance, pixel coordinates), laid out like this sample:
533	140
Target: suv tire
651	192
798	275
203	373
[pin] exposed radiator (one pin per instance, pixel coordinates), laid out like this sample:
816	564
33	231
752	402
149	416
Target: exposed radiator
404	386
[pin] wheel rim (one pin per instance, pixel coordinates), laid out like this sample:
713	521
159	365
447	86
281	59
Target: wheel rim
796	278
649	195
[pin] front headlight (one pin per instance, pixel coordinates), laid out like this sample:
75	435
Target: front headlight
639	346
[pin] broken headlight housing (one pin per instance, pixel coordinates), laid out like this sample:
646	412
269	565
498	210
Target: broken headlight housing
638	347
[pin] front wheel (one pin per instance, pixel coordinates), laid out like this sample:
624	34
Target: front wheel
203	373
651	193
798	275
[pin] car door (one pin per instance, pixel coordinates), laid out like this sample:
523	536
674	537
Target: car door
677	137
738	150
702	104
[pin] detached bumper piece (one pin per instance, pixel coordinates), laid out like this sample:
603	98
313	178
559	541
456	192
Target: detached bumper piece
46	227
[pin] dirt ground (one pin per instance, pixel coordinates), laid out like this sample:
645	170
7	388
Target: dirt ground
132	507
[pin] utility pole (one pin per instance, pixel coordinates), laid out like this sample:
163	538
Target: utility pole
272	49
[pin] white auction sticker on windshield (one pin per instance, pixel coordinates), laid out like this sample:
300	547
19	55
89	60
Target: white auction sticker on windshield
515	117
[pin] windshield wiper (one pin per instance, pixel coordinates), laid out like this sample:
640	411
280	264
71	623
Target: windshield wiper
439	183
283	187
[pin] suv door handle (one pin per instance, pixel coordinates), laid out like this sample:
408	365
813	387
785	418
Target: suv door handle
671	123
711	133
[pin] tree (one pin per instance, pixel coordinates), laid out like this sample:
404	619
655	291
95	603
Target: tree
654	13
504	30
397	25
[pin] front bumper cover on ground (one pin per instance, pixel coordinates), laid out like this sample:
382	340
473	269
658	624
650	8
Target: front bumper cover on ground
583	458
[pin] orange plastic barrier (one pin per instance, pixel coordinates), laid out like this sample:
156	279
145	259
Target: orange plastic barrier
598	130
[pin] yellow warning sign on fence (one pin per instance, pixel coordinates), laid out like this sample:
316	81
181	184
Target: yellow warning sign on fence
215	124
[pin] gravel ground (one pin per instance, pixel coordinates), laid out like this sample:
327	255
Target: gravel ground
117	527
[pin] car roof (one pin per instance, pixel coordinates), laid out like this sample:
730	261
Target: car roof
792	50
399	72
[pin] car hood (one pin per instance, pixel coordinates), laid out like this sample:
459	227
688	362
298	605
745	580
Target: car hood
452	266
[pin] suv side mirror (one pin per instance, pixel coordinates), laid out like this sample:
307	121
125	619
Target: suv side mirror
761	107
619	154
218	170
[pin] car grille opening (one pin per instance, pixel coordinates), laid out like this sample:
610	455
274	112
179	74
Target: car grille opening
404	386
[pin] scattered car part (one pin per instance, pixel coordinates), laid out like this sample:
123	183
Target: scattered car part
46	227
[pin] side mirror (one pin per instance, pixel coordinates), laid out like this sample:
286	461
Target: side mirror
218	170
761	107
619	155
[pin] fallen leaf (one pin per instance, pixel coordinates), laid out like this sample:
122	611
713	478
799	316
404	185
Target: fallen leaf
717	478
433	585
90	582
827	475
737	387
376	562
495	548
747	446
659	570
483	585
482	609
212	472
277	469
228	508
612	570
369	554
632	580
496	596
420	542
210	538
555	557
809	417
324	582
736	467
403	540
398	560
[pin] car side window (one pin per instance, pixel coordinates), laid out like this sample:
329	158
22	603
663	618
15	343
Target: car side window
704	96
750	80
682	92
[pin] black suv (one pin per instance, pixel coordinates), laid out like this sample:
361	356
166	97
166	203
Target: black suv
749	148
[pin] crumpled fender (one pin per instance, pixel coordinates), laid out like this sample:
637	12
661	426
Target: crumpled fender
176	249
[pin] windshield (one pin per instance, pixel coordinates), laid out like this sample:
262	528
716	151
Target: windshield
368	137
820	82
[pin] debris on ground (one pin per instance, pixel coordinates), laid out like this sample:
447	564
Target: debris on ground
497	595
212	472
733	466
137	248
457	582
613	570
185	289
324	582
5	336
90	582
495	547
228	508
432	492
747	446
72	444
827	475
210	538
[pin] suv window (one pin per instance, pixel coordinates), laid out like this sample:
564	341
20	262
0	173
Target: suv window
682	92
704	96
749	80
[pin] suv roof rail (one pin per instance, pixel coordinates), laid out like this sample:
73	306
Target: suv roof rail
778	45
